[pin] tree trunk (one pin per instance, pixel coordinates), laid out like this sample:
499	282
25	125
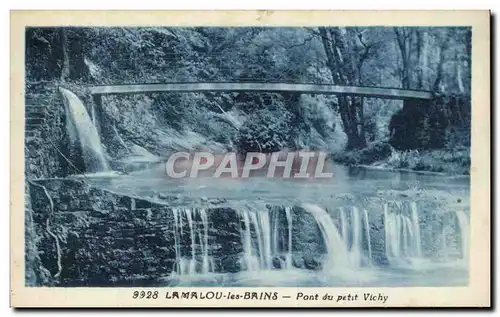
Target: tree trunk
425	60
65	71
403	38
420	49
440	71
343	73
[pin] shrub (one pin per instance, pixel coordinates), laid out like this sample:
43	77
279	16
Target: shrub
265	131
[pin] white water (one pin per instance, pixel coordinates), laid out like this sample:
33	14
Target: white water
355	229
337	255
402	231
404	268
263	246
416	227
82	130
343	224
258	256
190	264
249	259
355	251
368	237
288	212
463	223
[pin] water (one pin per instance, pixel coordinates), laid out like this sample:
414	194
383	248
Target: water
367	230
289	220
261	240
336	250
198	260
377	228
82	131
463	222
402	231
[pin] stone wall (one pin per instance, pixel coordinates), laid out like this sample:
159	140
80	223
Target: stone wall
106	238
44	131
82	235
78	235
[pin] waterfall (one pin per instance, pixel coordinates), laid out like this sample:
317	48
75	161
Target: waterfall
263	230
368	237
266	237
192	261
336	249
261	244
180	268
247	243
463	224
402	231
206	262
355	229
343	223
82	130
416	228
199	244
356	237
259	256
288	213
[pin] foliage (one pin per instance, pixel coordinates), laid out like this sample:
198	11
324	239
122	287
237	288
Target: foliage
264	131
425	58
453	162
373	153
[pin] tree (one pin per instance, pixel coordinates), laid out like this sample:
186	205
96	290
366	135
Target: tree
345	61
404	40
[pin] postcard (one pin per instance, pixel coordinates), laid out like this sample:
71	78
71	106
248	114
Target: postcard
250	159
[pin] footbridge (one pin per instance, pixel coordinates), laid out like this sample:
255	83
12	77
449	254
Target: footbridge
328	89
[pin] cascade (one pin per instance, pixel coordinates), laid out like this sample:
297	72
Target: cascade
356	237
336	249
368	237
266	236
355	230
261	239
199	245
463	224
288	261
82	130
402	230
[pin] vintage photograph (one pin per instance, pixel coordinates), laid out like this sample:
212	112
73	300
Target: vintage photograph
247	156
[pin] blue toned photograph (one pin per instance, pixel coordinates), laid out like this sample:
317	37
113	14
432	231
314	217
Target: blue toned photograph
247	156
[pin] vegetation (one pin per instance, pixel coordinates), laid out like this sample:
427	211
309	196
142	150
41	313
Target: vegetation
431	136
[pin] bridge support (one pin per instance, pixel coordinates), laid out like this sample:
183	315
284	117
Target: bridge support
96	111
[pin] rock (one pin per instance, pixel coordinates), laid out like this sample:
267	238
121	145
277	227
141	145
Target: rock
279	262
217	201
162	196
311	263
298	261
380	259
231	264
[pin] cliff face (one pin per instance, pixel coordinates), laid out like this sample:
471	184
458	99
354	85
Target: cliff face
43	131
94	237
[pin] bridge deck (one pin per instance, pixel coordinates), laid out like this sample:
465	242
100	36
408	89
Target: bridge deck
389	93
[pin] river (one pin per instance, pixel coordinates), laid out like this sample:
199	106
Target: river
395	228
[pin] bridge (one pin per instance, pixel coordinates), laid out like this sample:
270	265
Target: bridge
328	89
